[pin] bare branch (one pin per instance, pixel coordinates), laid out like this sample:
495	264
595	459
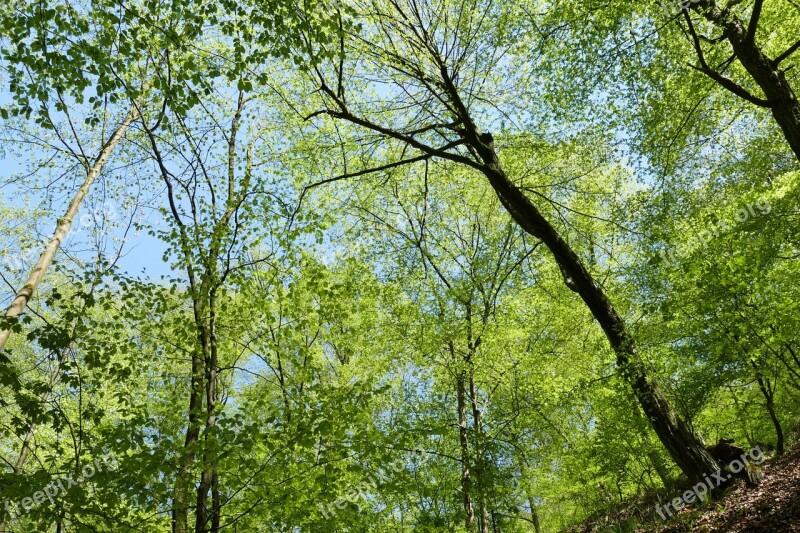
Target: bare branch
364	172
368	171
732	86
695	40
754	18
792	49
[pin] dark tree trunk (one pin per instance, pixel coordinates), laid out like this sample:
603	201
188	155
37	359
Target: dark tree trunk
480	477
686	450
769	396
780	97
208	520
463	437
180	504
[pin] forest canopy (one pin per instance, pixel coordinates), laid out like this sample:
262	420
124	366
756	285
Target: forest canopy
394	265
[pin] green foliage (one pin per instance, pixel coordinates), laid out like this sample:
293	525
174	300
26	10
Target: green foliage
365	343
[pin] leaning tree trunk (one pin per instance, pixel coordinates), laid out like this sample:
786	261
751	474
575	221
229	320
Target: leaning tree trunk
64	224
685	448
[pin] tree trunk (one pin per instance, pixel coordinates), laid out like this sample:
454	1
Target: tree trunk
780	97
480	470
463	438
660	468
478	463
686	450
769	396
742	416
64	224
534	515
209	479
529	495
205	362
183	481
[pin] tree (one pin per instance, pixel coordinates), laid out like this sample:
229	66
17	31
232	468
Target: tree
470	258
424	54
735	324
63	226
43	42
767	72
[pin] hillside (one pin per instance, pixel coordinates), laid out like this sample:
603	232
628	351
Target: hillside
774	505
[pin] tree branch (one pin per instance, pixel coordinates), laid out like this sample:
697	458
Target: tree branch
411	141
369	171
695	40
754	18
792	49
732	86
373	170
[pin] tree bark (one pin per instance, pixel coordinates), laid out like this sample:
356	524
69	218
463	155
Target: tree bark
209	477
656	461
183	481
685	448
64	224
480	470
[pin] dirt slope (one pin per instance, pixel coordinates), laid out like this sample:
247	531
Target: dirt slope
772	506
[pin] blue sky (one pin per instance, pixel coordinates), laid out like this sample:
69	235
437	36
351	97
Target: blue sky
142	255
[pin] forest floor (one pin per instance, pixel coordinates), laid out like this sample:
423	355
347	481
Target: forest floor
773	505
